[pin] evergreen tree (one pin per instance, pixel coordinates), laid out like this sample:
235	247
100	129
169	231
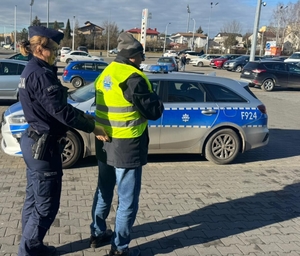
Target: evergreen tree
36	21
68	30
56	26
199	30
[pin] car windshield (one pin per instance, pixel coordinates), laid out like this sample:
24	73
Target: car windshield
83	94
295	56
241	58
165	60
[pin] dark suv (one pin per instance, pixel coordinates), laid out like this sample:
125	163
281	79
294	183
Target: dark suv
269	74
238	63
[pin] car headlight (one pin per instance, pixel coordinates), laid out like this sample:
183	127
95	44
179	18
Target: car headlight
231	63
17	119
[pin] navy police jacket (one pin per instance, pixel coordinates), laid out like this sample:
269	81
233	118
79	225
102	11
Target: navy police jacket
44	101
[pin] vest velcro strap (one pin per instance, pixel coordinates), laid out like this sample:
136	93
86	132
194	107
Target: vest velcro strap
129	123
115	109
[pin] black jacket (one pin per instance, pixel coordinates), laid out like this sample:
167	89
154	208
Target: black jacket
44	101
131	153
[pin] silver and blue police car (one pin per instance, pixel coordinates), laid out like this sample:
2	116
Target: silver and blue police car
214	116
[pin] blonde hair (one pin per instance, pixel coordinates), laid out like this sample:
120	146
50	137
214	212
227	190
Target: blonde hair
32	46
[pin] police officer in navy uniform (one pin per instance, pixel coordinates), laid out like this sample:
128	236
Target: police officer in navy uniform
45	106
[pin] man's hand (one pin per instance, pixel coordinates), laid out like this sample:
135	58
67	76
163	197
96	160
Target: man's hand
100	133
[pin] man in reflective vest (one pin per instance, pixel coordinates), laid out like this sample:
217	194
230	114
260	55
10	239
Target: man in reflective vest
125	101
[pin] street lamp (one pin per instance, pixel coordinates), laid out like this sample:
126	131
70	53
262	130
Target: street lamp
188	19
73	38
166	31
207	39
31	4
255	29
15	39
193	48
47	13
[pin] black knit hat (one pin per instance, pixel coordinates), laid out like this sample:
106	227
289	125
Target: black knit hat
53	34
128	46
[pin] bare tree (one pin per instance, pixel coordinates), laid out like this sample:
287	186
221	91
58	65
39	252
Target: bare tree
232	27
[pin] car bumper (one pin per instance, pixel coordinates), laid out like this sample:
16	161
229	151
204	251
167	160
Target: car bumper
256	137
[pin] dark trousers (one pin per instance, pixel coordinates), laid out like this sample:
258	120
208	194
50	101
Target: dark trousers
43	190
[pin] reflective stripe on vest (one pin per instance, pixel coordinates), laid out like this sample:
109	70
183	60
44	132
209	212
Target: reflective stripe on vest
118	116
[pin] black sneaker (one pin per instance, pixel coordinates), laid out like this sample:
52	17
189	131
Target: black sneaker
47	251
126	252
97	241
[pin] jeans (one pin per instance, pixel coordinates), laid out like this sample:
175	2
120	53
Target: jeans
43	190
128	183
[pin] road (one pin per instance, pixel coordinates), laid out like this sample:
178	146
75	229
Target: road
188	206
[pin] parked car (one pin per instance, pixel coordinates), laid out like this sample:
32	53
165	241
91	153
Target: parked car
170	53
81	72
294	58
171	62
218	62
19	56
271	74
83	48
203	60
113	51
214	116
191	54
64	50
238	63
10	71
78	55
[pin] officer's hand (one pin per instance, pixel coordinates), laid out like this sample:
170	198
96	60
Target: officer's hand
100	133
89	116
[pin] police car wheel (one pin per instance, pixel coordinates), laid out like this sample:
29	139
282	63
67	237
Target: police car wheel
222	147
268	85
72	151
77	82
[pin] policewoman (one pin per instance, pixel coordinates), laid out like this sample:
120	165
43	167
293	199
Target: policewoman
44	102
125	102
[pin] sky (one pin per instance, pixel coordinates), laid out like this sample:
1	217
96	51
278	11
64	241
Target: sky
127	14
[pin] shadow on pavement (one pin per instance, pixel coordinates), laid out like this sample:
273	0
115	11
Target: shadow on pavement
211	223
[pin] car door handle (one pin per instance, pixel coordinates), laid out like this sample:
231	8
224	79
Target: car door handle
208	111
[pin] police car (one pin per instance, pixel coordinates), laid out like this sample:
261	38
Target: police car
214	116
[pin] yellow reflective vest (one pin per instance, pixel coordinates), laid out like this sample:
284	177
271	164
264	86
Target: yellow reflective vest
118	116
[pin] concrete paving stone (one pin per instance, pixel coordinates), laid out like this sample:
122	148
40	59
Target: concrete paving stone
249	248
287	247
69	222
8	239
247	240
9	249
186	251
207	251
268	248
226	250
288	230
79	215
69	238
229	240
292	253
147	242
52	238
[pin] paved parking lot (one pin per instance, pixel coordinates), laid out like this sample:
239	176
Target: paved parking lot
188	206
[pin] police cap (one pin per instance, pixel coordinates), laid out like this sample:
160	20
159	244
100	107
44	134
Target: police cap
53	34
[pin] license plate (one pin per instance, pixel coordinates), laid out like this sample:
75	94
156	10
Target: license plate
246	73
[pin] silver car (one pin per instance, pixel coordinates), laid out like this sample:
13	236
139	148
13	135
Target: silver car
10	71
213	116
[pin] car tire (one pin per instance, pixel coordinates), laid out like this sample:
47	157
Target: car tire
268	85
223	146
77	82
72	151
238	69
200	64
68	60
